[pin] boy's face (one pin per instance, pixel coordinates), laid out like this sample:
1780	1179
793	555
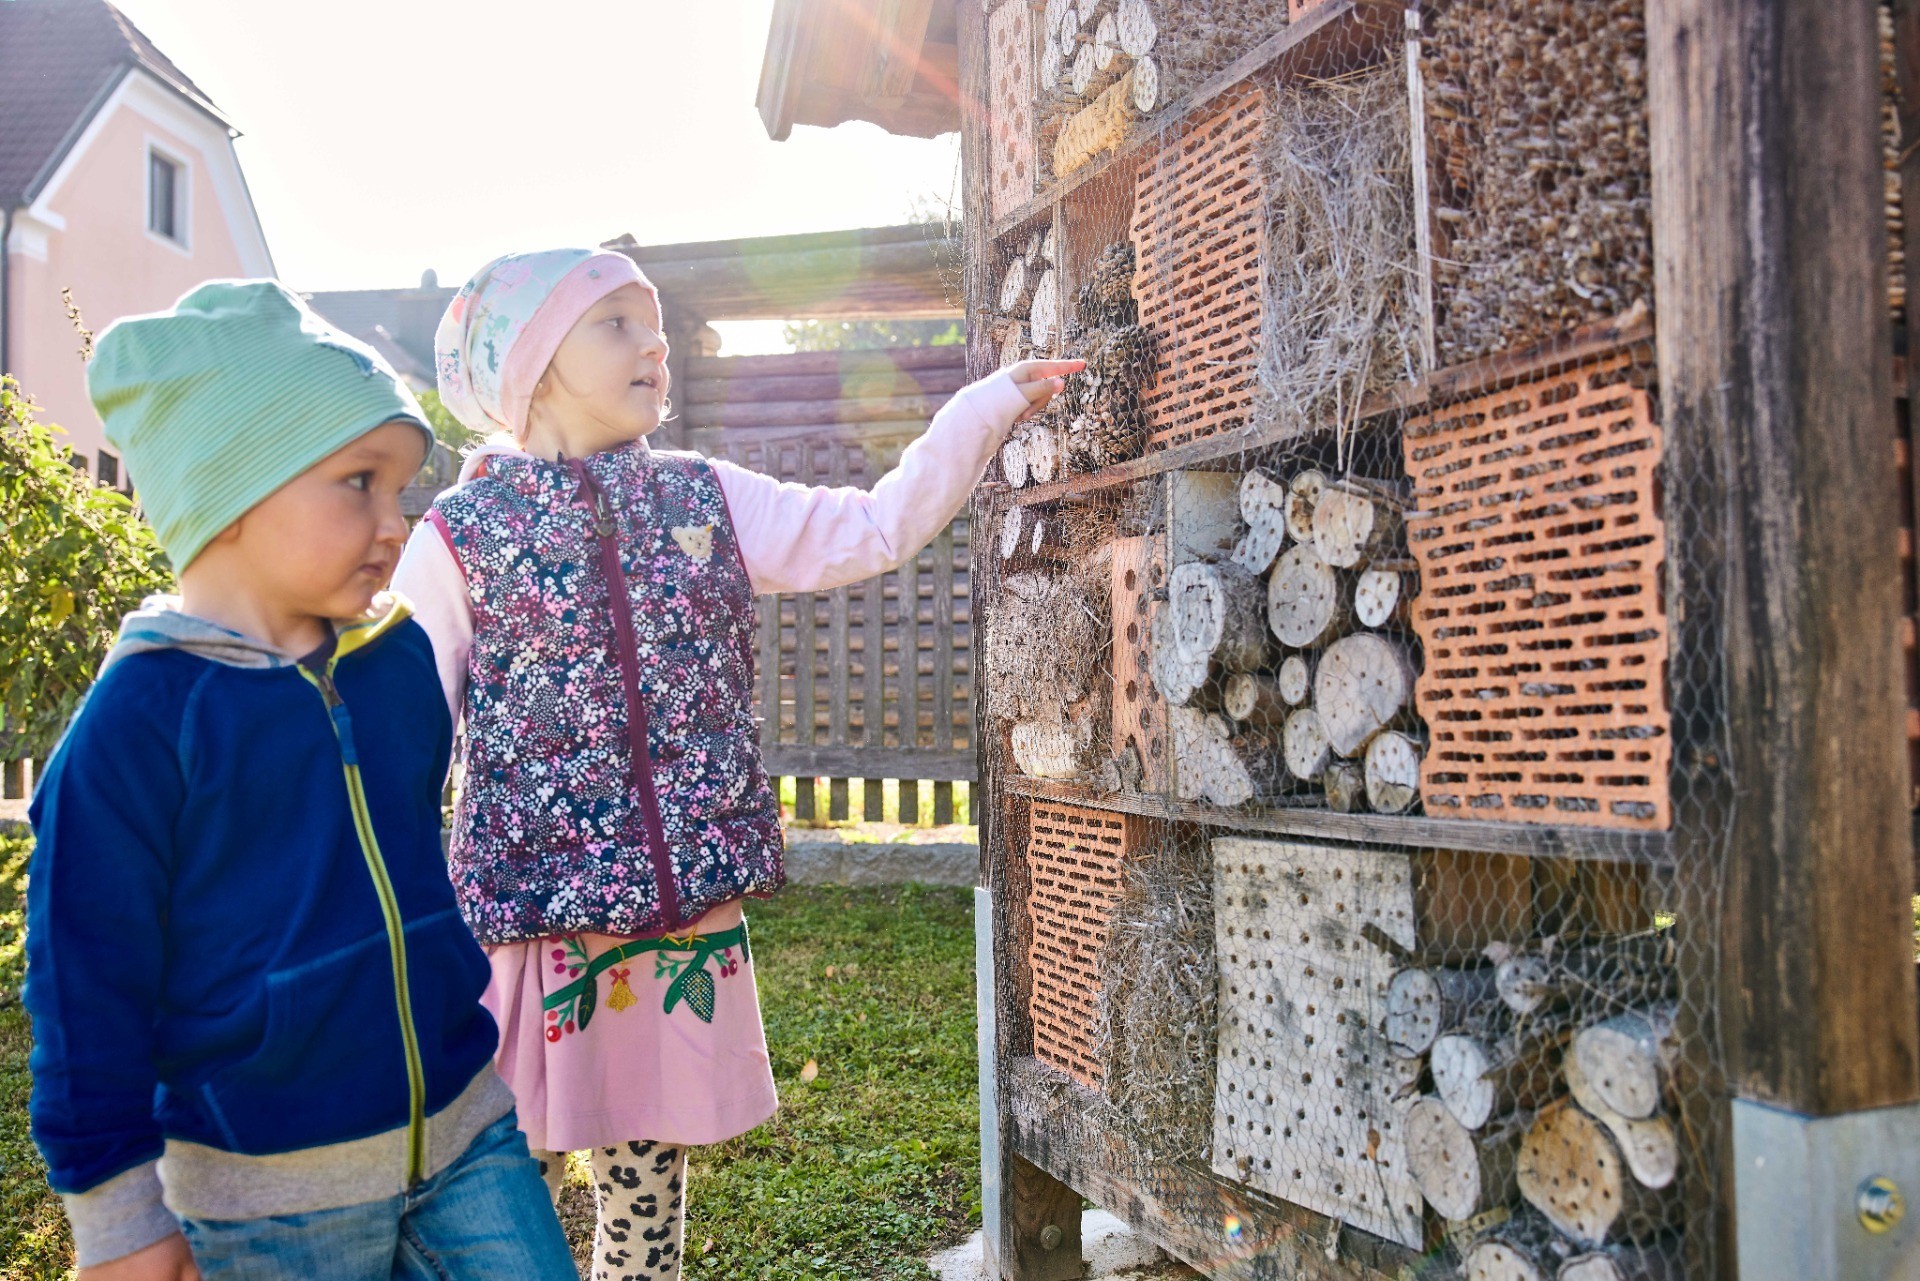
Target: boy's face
608	379
324	543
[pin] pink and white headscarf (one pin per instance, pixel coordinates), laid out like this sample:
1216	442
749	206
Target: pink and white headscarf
501	330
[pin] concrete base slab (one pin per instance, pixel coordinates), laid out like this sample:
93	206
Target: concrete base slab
1112	1252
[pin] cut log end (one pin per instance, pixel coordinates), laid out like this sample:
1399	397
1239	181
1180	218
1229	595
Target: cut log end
1392	773
1362	684
1303	598
1377	599
1305	745
1296	680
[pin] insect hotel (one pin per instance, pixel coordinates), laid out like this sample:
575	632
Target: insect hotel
1446	667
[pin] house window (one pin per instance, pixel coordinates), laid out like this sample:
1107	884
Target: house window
163	197
107	470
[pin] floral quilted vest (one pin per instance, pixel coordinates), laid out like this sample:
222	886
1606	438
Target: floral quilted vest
613	774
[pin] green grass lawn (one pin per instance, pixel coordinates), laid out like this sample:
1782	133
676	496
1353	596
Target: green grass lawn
869	1167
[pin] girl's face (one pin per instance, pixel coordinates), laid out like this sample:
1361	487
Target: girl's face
607	384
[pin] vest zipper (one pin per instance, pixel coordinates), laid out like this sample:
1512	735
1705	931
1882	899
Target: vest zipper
390	911
640	760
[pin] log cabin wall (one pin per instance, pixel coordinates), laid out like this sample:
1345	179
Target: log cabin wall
1383	581
871	681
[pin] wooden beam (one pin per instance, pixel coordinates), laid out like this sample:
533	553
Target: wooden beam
867	273
1789	763
893	64
943	380
1578	844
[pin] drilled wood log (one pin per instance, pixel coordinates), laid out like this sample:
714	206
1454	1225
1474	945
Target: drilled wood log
1012	525
1346	787
1523	1248
1043	451
1461	1174
1205	765
1217	612
1582	976
1145	77
1106	43
1016	289
1056	748
1263	505
1304	607
1349	528
1572	1171
1392	773
1254	698
1305	745
1495	1260
1043	314
1479	1080
1303	495
1296	679
1649	1145
1013	461
1179	679
1629	1059
1013	345
1378	600
1422	1002
1136	27
1654	1261
1362	685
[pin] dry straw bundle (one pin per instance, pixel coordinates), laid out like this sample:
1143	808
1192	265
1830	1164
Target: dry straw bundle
1341	298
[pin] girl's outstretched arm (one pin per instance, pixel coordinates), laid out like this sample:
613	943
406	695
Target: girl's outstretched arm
804	538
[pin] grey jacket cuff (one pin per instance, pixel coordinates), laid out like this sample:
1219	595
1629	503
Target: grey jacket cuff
115	1218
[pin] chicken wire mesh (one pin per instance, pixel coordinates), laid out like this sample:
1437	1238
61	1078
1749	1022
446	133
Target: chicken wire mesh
1342	579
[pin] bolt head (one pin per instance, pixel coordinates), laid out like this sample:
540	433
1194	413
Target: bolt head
1881	1205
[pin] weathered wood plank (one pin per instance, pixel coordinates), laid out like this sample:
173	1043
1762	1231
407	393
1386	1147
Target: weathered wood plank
1587	844
1774	352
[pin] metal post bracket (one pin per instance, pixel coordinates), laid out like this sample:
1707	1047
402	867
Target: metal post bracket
1822	1198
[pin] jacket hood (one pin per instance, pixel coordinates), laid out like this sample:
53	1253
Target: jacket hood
160	623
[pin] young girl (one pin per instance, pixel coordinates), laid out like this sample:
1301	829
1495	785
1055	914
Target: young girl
615	811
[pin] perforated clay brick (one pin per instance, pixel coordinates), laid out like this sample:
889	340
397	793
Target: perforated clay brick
1074	859
1540	546
1010	156
1199	232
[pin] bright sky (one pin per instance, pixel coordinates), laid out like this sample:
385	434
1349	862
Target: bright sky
384	137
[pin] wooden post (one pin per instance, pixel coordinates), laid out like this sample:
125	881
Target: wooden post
1028	1200
1775	359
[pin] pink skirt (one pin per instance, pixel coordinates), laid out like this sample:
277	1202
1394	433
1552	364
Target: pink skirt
610	1062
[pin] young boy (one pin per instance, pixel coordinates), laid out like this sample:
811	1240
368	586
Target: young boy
259	1048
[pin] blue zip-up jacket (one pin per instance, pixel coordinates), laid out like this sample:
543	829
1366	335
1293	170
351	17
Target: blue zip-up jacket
211	959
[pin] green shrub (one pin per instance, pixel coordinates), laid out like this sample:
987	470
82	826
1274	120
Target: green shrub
78	557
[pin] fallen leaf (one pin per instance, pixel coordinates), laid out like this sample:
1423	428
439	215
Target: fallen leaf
863	1016
850	969
808	1072
708	1247
829	971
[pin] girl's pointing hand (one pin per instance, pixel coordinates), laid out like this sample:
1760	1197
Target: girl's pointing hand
1041	380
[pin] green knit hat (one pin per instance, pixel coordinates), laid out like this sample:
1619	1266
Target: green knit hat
222	399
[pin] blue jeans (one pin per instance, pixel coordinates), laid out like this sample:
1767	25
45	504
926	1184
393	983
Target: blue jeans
486	1217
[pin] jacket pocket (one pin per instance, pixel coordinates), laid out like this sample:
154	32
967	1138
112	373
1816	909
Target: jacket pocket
331	1063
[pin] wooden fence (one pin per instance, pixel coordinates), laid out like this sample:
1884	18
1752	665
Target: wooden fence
871	681
889	691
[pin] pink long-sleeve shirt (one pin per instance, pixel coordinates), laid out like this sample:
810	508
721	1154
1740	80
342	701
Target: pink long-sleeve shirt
793	537
639	1072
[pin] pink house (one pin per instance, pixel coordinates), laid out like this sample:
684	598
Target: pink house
118	181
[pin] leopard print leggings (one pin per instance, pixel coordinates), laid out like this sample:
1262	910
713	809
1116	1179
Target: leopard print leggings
640	1189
